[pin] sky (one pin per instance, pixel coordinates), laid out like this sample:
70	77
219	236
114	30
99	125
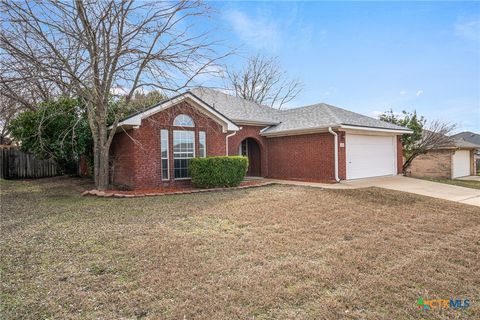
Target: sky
367	57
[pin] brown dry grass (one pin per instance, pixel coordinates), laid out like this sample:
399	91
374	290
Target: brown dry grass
277	252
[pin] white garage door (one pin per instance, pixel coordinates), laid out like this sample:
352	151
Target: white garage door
370	156
461	163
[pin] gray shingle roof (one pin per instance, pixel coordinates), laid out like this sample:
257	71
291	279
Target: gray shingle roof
461	143
302	118
323	115
468	136
235	108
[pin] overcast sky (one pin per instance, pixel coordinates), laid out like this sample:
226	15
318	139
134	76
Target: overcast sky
368	57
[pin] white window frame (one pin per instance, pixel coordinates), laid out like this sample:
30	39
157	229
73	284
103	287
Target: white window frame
173	139
165	144
240	153
200	133
181	118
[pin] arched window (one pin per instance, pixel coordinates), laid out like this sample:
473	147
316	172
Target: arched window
182	120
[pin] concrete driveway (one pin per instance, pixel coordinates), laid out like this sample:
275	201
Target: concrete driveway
422	187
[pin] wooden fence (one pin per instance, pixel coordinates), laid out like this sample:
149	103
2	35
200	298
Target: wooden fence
16	164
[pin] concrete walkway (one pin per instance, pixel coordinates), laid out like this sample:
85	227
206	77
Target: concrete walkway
400	183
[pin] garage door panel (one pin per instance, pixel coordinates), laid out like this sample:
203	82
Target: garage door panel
461	163
370	156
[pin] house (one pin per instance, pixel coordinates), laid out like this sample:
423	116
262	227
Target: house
472	138
453	160
313	143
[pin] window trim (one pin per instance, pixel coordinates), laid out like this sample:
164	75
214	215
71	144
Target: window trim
240	149
167	149
173	152
183	126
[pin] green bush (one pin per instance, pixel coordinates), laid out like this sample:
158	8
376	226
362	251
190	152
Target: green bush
212	172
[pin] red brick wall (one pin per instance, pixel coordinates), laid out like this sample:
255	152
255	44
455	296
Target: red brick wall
302	157
139	160
433	164
122	170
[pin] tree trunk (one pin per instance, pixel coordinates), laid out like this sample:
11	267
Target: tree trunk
95	159
103	169
101	145
101	164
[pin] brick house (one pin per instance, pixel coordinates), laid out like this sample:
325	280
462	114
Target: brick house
474	138
455	159
312	143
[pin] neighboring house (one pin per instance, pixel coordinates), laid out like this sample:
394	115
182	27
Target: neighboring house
314	143
472	138
455	159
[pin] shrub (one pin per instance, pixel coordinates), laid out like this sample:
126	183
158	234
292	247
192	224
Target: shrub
214	172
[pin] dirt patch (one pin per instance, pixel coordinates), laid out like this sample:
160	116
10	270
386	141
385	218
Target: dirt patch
275	252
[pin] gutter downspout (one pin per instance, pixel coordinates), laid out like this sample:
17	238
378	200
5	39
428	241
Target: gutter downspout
335	152
226	140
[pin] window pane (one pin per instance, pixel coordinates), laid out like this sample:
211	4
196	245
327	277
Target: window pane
164	154
182	120
201	144
165	169
183	151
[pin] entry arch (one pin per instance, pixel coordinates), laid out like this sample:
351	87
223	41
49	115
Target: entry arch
252	149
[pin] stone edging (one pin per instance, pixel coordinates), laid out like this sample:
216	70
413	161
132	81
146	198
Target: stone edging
103	194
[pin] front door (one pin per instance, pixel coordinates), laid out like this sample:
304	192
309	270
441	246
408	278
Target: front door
249	148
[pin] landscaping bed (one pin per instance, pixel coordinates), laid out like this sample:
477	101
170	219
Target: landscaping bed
185	189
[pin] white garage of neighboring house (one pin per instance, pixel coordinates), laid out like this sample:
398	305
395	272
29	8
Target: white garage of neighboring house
452	161
461	163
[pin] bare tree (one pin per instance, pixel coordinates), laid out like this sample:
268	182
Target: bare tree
8	109
19	91
424	137
91	46
436	136
18	96
263	81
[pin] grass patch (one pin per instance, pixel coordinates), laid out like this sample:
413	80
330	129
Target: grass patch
275	252
457	182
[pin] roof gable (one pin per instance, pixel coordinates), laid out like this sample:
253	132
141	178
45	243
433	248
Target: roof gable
135	120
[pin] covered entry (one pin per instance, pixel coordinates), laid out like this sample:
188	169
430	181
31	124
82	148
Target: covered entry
250	148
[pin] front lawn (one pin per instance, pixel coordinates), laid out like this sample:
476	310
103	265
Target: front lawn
457	182
276	252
